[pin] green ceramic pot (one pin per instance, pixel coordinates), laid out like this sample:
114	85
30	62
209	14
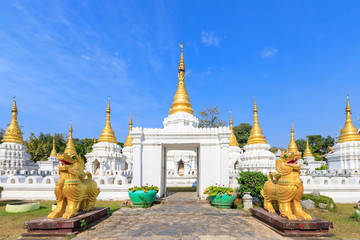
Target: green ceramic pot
224	201
141	199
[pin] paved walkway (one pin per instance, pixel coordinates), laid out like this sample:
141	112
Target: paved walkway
190	220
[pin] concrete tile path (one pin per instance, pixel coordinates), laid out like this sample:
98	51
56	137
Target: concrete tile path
191	219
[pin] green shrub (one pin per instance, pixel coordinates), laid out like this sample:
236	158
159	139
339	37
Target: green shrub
356	215
323	167
330	204
1	189
251	182
214	190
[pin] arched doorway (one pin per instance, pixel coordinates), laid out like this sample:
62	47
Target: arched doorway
96	167
180	168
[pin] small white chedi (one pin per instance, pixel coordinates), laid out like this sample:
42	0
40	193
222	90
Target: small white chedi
13	155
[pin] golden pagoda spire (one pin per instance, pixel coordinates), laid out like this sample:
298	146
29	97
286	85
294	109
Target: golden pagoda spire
13	132
70	147
129	139
107	134
349	132
256	135
181	101
307	152
232	138
53	151
292	146
95	141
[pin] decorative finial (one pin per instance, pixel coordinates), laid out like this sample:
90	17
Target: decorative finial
182	46
232	138
256	135
307	152
292	146
70	147
107	134
13	132
349	132
53	151
95	141
129	139
181	101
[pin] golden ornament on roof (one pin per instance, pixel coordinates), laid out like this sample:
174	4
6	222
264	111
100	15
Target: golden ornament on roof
256	135
232	138
307	152
181	101
349	132
107	134
292	146
70	147
53	151
129	139
13	132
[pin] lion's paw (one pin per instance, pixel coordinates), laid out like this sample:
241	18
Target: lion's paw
304	215
54	214
290	216
70	214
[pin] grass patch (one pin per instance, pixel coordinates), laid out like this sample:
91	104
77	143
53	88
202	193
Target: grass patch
344	226
12	224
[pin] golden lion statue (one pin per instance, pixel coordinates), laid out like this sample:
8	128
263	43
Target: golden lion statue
72	189
285	188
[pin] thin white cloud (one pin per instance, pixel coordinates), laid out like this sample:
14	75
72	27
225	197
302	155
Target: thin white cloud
209	39
268	52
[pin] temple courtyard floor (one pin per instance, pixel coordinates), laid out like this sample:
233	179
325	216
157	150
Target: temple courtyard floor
180	216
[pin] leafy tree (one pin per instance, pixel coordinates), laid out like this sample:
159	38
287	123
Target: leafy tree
209	118
242	133
121	144
2	133
251	182
83	146
40	147
275	149
319	145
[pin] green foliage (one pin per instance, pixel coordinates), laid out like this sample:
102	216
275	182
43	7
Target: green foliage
319	145
40	147
83	146
275	149
121	144
323	167
209	118
83	223
214	190
145	188
330	204
356	216
1	189
2	132
242	133
251	182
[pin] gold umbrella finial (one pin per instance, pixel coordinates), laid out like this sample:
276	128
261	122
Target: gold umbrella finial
181	102
107	134
129	139
232	138
13	132
256	135
349	132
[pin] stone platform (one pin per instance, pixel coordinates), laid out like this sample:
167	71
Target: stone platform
44	227
293	228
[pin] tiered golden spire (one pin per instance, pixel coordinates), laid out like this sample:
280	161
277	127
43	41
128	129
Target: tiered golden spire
95	141
129	139
107	134
307	152
13	132
349	132
53	151
181	101
256	135
232	138
292	146
70	147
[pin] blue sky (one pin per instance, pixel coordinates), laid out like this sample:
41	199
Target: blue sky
63	58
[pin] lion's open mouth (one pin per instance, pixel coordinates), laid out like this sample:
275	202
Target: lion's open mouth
294	161
64	162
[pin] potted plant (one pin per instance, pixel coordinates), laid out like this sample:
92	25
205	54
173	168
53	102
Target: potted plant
144	196
222	197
